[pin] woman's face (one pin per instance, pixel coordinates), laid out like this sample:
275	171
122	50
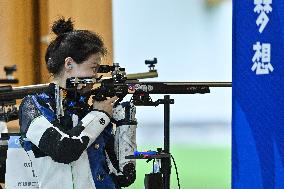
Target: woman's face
87	68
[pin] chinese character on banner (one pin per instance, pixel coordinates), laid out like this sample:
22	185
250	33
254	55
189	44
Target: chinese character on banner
262	7
261	59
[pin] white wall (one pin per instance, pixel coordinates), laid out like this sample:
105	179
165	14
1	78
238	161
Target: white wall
192	43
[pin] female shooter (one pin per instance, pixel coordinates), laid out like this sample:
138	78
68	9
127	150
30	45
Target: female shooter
72	141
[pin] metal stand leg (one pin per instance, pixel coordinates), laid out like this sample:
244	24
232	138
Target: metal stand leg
166	162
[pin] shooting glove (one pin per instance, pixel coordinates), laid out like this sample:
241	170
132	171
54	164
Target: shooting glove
125	141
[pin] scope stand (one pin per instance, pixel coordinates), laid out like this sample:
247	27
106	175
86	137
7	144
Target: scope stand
165	155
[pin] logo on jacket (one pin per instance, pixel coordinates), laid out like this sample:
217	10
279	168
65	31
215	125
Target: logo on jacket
102	121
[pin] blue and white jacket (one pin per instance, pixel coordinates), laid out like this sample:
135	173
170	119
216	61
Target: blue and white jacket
70	154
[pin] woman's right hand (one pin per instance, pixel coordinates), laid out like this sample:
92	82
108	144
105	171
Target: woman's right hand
106	105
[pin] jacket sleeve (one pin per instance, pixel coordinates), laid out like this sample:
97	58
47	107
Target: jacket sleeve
61	146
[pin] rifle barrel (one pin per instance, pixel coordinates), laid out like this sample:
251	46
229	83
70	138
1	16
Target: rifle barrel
21	92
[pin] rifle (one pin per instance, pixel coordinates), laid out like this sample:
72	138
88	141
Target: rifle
8	110
120	84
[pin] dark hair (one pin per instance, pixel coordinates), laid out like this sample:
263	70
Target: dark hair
77	44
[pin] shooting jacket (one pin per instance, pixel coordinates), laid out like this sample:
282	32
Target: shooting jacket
70	153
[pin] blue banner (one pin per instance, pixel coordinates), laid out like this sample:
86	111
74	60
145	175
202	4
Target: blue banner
258	94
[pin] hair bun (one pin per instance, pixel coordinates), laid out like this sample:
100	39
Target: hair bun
61	26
